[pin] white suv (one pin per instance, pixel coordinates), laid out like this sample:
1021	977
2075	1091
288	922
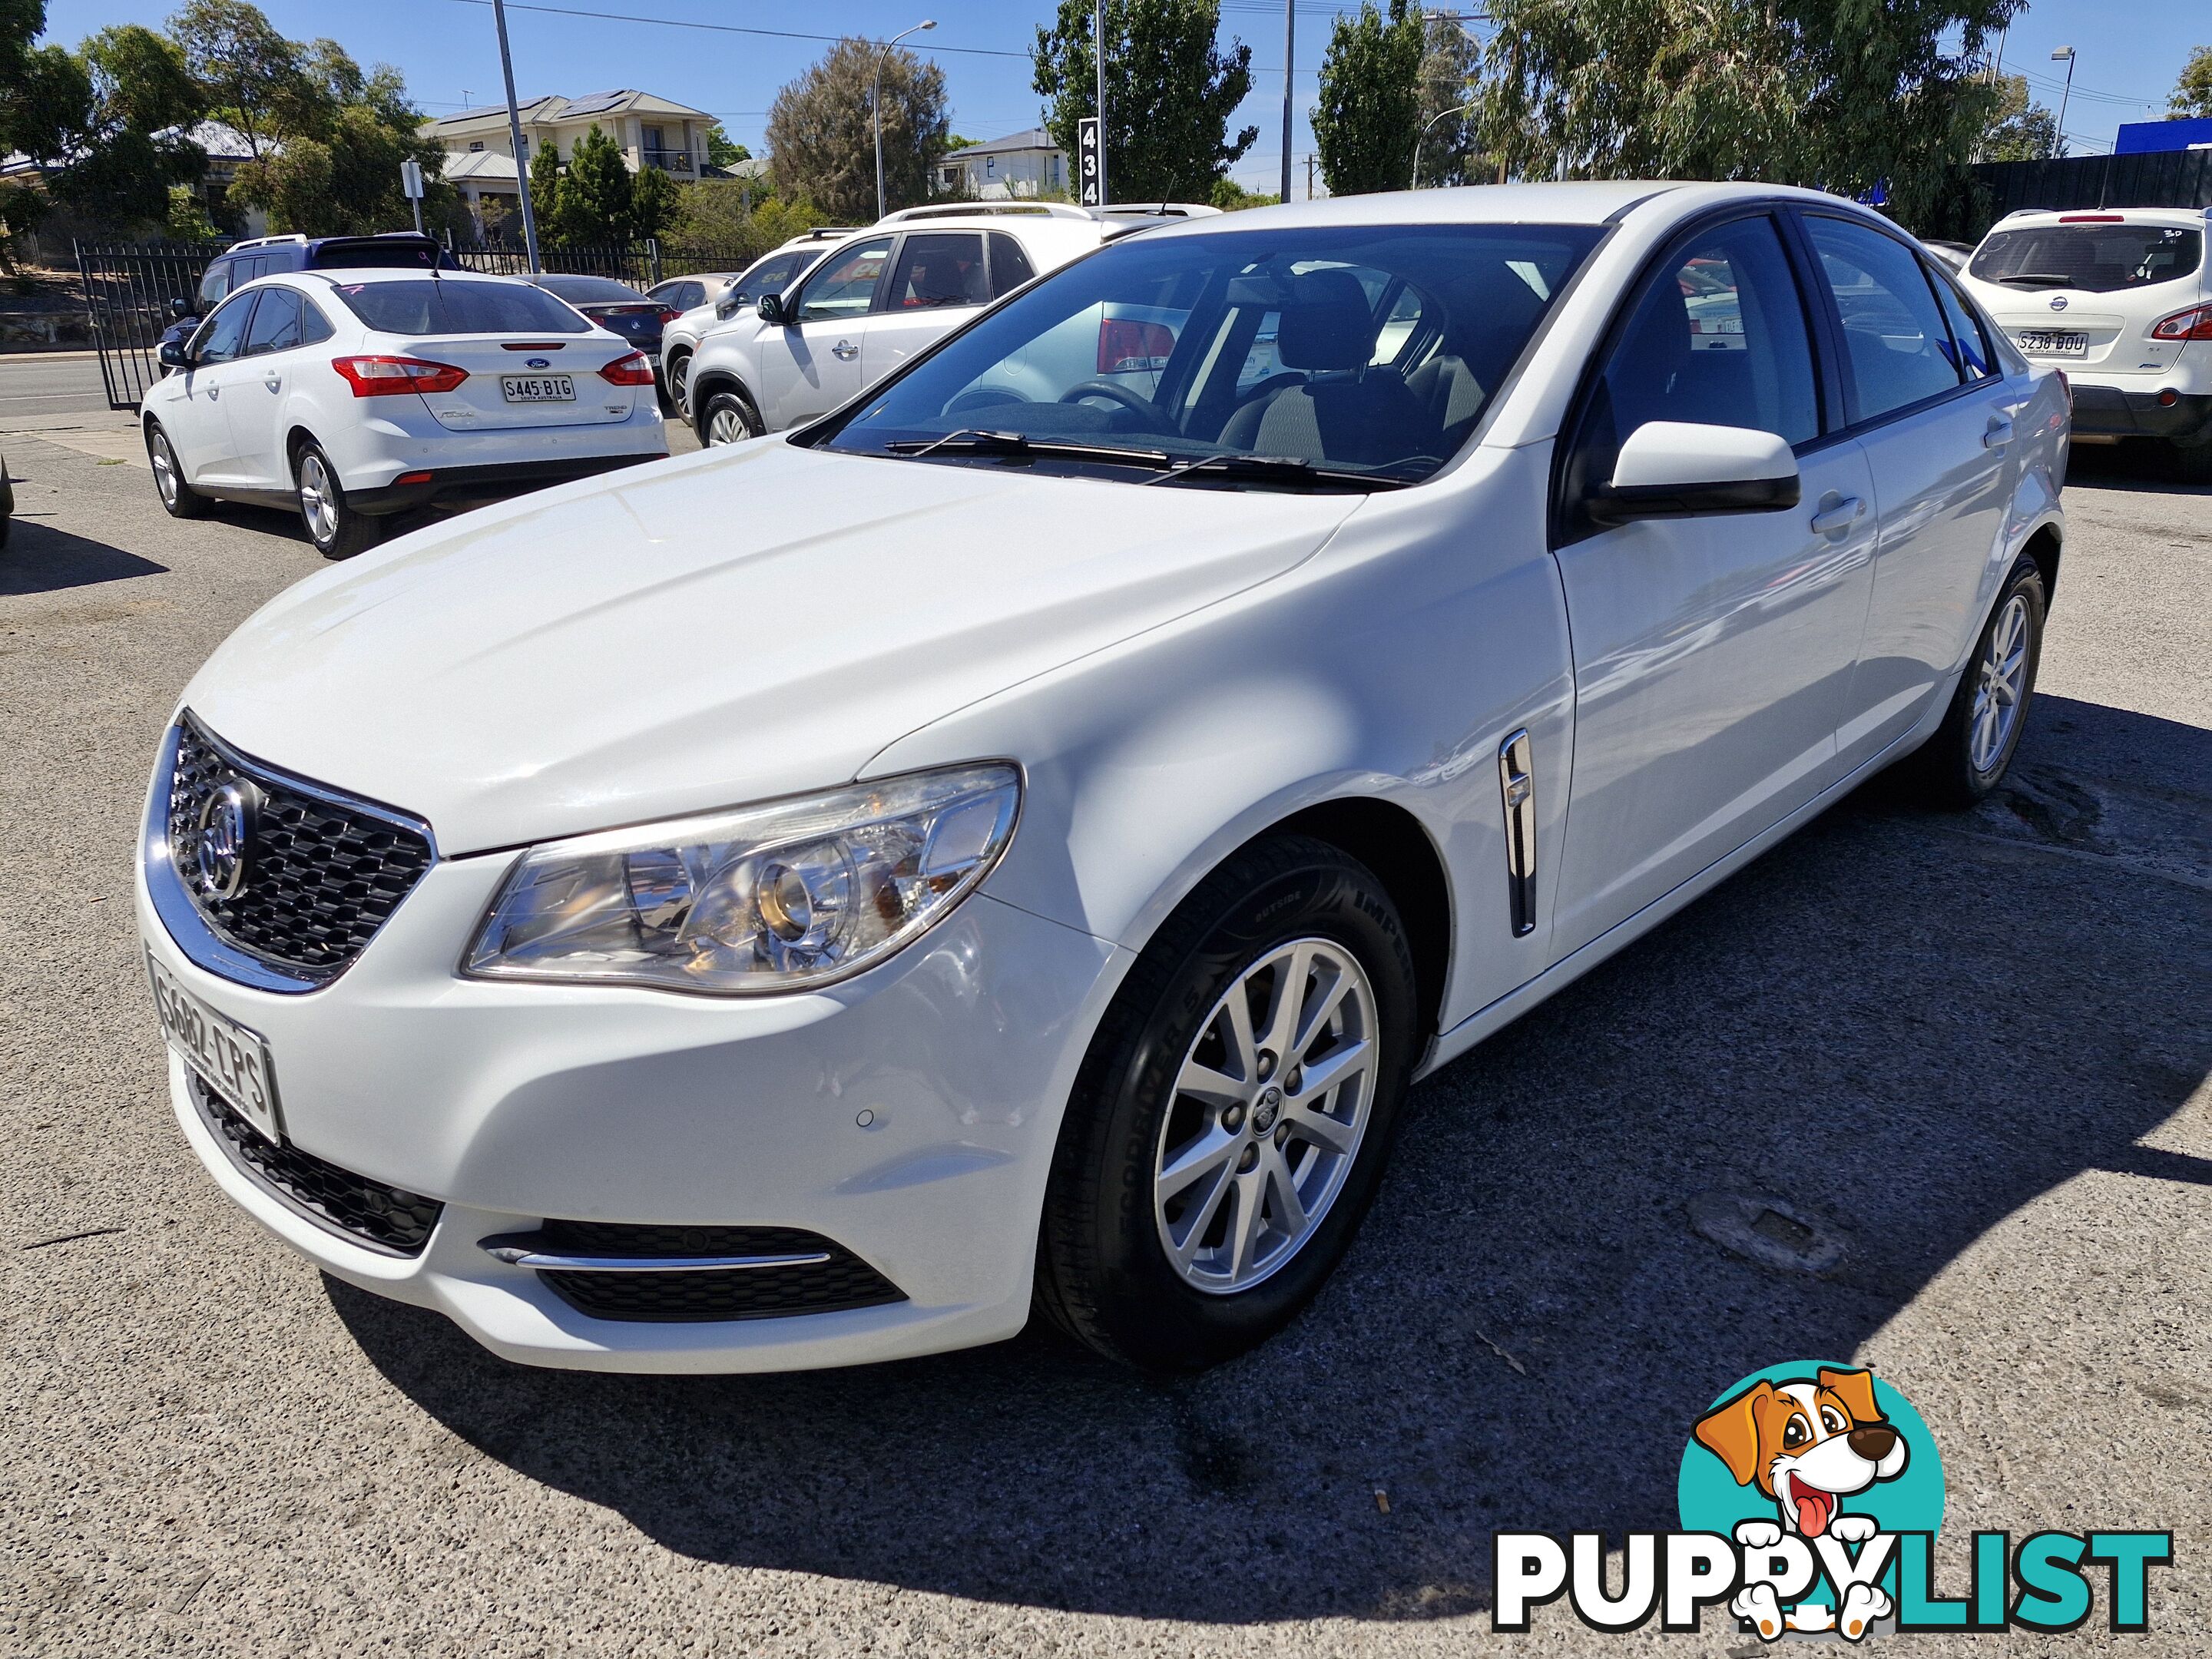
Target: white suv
720	300
356	394
2121	301
884	295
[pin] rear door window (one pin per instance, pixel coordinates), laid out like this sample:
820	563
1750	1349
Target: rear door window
1895	340
276	323
938	268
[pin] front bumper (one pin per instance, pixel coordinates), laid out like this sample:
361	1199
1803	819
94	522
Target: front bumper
908	1115
2104	411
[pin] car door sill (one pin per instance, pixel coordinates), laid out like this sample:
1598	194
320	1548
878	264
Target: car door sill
1493	1017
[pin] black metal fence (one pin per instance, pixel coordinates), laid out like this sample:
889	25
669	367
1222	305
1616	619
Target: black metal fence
128	289
1986	193
641	264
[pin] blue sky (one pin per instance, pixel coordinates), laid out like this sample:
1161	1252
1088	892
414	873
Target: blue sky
2129	52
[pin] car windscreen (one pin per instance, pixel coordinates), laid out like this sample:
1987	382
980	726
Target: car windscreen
431	306
2094	258
1303	356
589	290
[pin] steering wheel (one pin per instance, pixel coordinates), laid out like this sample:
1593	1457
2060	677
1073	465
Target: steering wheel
986	396
1136	402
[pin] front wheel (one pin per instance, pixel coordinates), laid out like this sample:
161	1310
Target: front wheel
677	376
1233	1118
337	530
728	419
1969	754
179	499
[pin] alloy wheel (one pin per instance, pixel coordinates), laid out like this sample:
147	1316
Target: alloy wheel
316	505
165	469
2001	675
1269	1108
727	427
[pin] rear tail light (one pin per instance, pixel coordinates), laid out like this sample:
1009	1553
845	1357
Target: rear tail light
629	370
2066	386
668	316
384	377
2194	324
1126	346
2093	218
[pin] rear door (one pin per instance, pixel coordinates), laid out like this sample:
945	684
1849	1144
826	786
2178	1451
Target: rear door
812	364
286	325
939	280
1936	425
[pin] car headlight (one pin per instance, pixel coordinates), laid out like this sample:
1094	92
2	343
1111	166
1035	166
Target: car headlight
760	899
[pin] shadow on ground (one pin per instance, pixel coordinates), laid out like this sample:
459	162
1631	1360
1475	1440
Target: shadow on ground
1906	1026
40	559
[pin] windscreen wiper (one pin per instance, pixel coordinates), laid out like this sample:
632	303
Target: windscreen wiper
2037	279
1277	469
974	440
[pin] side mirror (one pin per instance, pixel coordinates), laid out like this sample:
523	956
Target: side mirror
773	310
1676	470
172	355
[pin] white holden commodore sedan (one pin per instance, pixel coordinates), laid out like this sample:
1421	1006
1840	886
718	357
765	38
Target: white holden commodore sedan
353	395
1013	843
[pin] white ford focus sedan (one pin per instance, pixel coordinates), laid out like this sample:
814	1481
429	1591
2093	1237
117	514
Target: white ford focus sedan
354	394
1013	842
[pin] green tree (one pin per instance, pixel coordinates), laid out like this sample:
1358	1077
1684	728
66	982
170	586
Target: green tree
714	210
722	150
2192	91
1171	90
1845	94
2019	129
250	72
822	134
545	187
1368	116
1450	151
656	204
102	122
593	206
1232	198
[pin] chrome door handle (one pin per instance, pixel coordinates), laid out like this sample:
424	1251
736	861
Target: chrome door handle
1998	432
1836	516
273	381
845	349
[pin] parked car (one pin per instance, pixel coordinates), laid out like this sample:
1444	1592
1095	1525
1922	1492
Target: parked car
267	256
859	312
2122	301
616	307
363	393
816	902
772	272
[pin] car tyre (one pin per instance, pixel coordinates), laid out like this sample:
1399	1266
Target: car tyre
729	418
676	375
2190	459
337	530
1969	754
179	499
1131	1259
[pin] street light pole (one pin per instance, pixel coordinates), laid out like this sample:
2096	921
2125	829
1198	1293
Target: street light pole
878	106
2058	139
1424	138
514	139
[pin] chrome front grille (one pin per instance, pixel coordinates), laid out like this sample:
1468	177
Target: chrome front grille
297	877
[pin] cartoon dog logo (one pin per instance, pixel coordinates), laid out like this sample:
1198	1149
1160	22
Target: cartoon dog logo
1807	1445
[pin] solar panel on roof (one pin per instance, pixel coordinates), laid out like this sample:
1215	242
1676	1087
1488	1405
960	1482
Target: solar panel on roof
592	102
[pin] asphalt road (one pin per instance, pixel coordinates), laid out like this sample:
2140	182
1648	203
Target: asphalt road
37	387
1975	1049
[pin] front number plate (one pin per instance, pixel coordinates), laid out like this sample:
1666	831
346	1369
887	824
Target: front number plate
538	388
233	1060
2053	343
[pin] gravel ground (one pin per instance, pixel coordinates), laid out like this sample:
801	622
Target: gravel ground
1974	1048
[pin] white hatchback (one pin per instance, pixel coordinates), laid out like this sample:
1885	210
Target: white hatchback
880	297
1013	844
2121	301
356	394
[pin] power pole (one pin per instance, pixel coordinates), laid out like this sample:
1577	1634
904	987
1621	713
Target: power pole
514	138
1309	165
1098	52
1290	58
